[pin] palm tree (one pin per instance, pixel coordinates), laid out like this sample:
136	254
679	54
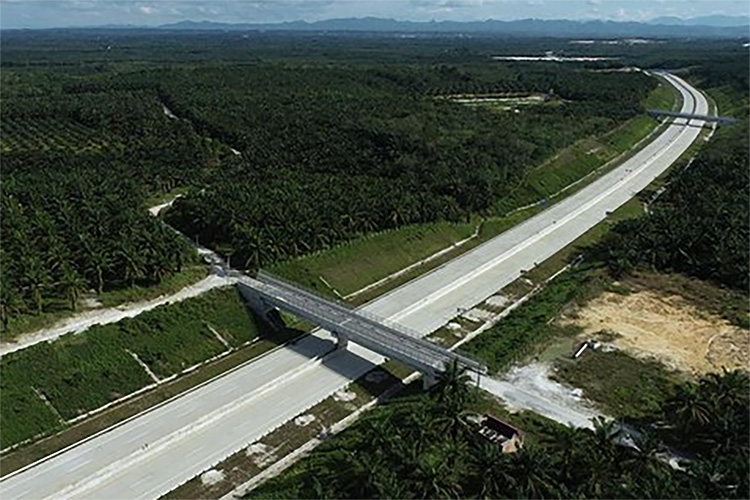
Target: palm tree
73	284
35	277
532	471
490	465
453	393
567	443
689	408
389	485
452	387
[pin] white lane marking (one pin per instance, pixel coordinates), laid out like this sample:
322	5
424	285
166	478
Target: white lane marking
81	464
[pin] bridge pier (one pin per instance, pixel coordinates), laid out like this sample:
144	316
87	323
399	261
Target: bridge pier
342	341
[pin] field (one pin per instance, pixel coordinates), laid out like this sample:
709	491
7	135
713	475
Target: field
49	384
653	325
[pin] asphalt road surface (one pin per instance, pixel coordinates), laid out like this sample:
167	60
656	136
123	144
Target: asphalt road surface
158	450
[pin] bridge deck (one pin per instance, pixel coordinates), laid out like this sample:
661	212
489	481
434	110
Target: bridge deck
678	114
376	334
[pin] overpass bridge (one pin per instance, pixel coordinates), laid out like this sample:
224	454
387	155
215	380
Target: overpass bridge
387	339
721	120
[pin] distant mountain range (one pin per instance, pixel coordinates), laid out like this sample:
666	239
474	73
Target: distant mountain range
719	21
662	27
714	26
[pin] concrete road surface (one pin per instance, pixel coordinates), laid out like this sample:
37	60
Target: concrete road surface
154	452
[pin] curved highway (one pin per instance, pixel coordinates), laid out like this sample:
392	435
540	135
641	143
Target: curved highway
158	450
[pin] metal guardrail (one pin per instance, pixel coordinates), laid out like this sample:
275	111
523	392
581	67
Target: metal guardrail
392	335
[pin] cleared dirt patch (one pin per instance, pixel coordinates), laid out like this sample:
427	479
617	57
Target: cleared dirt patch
649	324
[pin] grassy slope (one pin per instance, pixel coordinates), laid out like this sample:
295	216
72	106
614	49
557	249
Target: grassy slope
621	385
82	372
356	264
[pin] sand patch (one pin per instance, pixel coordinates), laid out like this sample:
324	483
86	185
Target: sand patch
653	325
304	420
478	315
497	301
344	395
261	454
211	477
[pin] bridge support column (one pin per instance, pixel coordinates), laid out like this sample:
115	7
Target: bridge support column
428	379
343	341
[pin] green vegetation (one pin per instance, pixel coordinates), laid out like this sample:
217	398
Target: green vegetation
170	284
330	151
662	97
423	447
631	389
386	152
71	217
355	264
700	226
575	163
531	324
82	372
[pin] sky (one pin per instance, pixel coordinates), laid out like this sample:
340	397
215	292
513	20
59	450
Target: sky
68	13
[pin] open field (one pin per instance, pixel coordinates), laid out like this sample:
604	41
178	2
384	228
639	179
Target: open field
653	325
616	383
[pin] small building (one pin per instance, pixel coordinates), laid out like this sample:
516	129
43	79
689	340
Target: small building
501	433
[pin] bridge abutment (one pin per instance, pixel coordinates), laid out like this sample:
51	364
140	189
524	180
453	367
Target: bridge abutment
267	313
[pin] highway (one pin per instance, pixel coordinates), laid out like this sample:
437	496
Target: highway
154	452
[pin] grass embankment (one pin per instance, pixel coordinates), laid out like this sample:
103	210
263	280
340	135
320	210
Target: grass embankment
47	385
58	309
354	265
531	324
359	263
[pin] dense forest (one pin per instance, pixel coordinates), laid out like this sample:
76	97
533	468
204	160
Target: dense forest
332	152
326	150
424	447
700	225
77	168
330	141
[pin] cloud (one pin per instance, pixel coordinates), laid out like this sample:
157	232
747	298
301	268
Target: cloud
147	9
595	3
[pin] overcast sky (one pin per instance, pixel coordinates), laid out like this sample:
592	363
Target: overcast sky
64	13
